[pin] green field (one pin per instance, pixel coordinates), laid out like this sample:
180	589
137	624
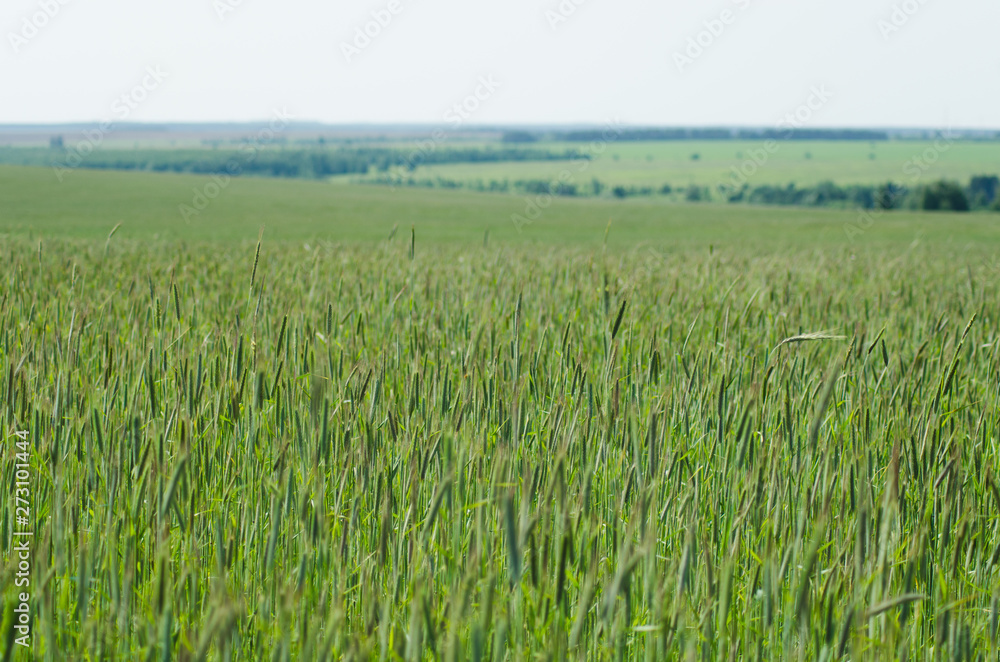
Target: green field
805	163
631	430
89	203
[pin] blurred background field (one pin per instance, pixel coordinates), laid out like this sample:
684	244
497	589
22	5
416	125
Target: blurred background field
149	205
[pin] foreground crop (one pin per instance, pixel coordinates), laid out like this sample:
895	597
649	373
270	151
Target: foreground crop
485	454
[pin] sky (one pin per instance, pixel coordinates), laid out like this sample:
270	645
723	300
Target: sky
832	63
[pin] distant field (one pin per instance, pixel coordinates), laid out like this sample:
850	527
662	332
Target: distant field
651	165
805	163
89	203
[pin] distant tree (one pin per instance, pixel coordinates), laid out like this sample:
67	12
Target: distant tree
824	193
519	137
536	186
983	190
889	196
694	194
862	196
666	189
737	195
619	192
597	186
696	156
944	196
56	142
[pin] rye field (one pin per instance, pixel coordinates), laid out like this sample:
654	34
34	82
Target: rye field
697	433
709	163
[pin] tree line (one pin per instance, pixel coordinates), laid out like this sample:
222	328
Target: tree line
675	134
278	161
981	193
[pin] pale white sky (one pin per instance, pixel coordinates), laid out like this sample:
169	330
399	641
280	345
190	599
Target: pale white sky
222	60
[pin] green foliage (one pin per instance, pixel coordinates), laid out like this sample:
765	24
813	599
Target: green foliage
695	194
540	187
983	190
939	196
518	137
889	196
944	196
246	452
272	159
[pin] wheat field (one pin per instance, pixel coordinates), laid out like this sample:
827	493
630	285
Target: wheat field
393	451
